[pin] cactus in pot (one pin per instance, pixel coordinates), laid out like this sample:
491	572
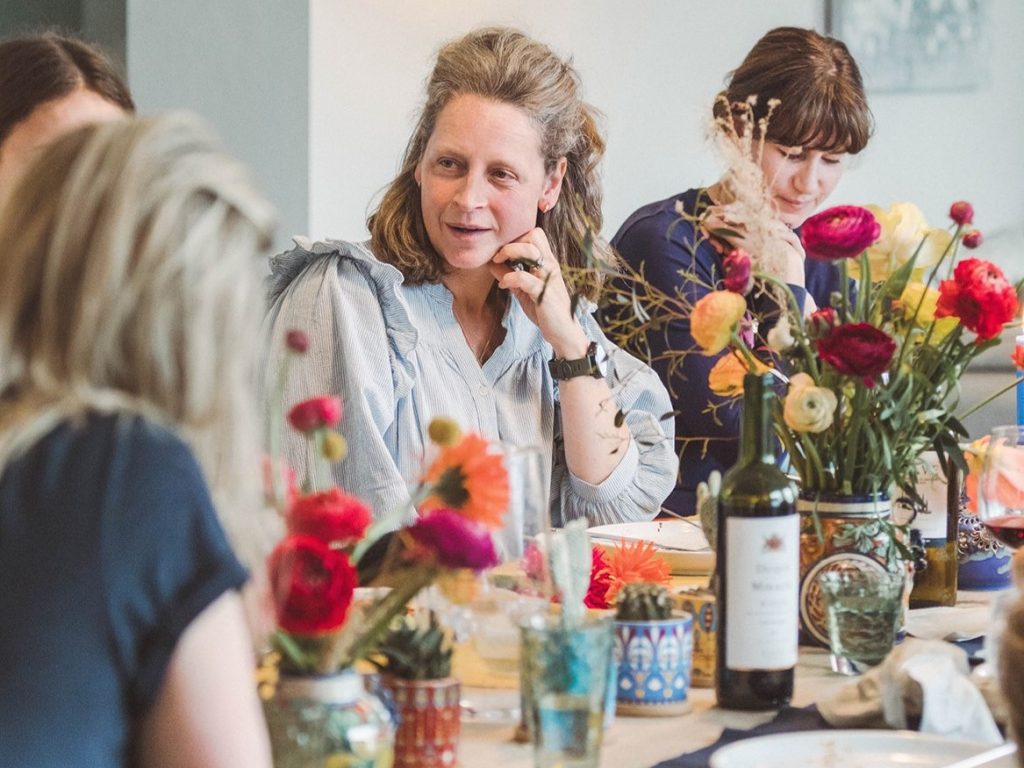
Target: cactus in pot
643	601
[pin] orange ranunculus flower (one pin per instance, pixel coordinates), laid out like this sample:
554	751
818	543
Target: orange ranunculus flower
1018	358
714	320
470	479
726	376
632	562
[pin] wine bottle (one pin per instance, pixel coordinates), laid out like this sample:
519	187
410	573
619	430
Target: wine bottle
936	525
758	566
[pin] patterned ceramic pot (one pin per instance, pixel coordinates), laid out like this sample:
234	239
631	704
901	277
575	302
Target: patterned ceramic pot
840	533
654	665
985	562
428	725
328	720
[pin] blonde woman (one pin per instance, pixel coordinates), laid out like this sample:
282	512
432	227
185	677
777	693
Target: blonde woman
128	294
458	306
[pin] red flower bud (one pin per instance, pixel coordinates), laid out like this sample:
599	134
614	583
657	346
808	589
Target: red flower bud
297	341
973	239
738	276
961	212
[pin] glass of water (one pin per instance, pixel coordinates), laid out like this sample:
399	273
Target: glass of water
564	674
863	610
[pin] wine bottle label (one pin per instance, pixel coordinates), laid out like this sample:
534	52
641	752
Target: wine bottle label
763	582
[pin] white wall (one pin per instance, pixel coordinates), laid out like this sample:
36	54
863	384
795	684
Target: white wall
653	67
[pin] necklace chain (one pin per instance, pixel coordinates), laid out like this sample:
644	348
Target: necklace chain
482	354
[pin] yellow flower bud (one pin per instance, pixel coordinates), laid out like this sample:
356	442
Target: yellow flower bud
444	431
333	446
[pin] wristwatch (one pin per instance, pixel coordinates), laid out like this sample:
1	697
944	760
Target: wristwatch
562	369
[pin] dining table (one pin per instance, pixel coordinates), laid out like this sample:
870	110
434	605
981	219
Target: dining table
642	742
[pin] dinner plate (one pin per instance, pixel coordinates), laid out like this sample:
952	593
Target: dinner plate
848	749
680	542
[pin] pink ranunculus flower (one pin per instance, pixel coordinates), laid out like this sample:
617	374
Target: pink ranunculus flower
449	539
739	276
315	413
714	320
841	232
857	349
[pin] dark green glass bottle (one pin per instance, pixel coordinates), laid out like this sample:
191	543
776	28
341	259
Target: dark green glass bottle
758	566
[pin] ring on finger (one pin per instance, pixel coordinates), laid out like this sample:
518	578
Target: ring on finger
538	265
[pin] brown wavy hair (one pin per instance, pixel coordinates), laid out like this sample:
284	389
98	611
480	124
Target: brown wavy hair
507	66
41	68
822	104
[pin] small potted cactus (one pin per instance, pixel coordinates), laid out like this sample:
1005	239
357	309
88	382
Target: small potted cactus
654	651
415	659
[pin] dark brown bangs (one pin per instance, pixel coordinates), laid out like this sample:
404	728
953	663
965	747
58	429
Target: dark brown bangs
822	120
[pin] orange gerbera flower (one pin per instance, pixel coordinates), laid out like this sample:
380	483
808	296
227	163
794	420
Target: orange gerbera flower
470	479
635	561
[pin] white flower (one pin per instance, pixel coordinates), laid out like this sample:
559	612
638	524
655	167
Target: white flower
808	408
780	337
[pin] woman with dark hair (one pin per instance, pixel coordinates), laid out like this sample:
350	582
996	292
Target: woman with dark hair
807	90
458	305
49	84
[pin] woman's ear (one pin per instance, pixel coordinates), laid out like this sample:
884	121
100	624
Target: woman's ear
553	186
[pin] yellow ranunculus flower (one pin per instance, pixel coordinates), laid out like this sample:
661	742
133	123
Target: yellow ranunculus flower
918	294
943	327
726	376
714	320
903	229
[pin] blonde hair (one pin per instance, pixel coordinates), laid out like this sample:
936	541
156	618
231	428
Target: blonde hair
129	283
507	66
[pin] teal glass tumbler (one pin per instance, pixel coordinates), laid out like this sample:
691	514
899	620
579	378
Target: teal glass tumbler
564	678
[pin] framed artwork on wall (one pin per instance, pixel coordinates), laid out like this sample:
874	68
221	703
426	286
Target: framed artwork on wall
915	45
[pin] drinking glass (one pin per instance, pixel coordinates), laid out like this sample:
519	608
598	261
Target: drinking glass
1001	486
863	610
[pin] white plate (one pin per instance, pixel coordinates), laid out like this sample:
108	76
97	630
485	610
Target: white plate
847	749
680	542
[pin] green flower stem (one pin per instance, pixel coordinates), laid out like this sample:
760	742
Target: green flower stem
809	357
813	461
275	427
990	398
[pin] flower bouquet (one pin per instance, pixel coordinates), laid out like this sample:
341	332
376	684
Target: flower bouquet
331	546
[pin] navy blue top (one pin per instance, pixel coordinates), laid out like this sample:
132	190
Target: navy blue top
661	243
109	548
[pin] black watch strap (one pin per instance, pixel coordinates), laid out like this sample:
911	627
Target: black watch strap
562	369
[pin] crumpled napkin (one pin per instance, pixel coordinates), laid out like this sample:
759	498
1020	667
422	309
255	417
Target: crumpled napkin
920	678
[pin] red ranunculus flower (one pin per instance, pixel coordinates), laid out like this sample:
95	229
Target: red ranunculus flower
330	516
842	232
857	349
312	585
980	296
315	413
739	278
451	540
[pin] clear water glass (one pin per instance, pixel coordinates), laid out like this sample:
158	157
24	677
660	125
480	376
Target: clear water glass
863	612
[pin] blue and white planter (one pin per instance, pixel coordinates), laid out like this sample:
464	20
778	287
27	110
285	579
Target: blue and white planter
654	665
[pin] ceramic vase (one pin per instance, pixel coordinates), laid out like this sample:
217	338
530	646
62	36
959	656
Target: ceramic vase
428	725
839	533
654	665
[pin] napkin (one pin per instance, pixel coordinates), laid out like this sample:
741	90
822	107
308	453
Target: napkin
924	679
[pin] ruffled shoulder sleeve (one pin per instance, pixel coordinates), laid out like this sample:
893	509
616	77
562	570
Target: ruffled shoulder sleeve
362	279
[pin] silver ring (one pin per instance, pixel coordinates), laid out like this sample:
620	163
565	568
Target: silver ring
540	264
